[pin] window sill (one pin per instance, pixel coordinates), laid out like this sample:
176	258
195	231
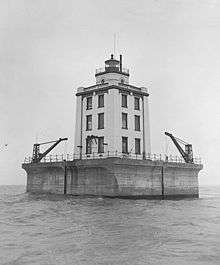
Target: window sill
124	128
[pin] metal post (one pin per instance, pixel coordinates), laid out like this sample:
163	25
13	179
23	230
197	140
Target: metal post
65	177
162	181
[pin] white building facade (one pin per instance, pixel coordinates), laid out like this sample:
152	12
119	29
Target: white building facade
112	116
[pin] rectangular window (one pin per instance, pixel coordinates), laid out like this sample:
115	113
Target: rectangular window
101	101
137	103
101	121
125	145
124	101
137	146
137	123
101	145
88	122
88	146
124	121
89	103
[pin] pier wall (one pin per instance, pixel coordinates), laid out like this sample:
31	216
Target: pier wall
114	177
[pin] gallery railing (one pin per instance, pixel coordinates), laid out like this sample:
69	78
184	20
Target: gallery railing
151	157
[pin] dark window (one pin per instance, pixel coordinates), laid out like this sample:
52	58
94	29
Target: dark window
89	122
103	81
124	101
137	123
101	101
125	145
124	121
137	146
101	121
101	145
122	81
89	103
137	103
88	146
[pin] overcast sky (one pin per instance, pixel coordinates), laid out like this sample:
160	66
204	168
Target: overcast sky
49	48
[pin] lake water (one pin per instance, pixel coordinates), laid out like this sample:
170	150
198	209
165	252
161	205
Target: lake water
42	229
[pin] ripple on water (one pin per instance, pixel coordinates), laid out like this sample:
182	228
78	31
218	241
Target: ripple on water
44	229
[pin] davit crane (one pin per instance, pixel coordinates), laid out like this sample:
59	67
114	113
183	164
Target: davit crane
188	153
37	156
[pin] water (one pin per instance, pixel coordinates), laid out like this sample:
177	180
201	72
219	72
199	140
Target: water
41	229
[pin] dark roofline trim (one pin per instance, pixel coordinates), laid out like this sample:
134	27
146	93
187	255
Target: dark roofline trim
97	85
105	72
131	86
128	88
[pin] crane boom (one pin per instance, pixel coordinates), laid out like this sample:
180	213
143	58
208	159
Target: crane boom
187	154
37	156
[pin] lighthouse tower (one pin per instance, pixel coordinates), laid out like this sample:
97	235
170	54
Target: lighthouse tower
112	147
112	116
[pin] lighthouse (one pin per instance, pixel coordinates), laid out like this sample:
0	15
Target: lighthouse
112	153
112	116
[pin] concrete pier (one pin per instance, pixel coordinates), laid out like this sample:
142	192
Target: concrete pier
114	177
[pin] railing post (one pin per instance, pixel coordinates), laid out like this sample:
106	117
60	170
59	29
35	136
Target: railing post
108	153
65	177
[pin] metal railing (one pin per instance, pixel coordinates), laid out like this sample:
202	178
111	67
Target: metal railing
111	69
94	155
